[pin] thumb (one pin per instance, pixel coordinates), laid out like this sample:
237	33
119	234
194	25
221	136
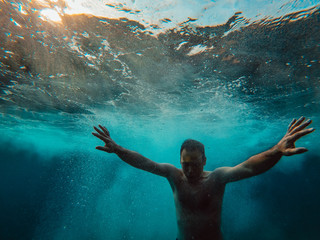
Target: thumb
102	148
294	151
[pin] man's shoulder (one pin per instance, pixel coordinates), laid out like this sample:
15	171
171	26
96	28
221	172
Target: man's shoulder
168	166
170	169
218	173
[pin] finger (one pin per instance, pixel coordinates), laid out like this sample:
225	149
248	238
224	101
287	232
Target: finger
102	148
294	151
105	130
292	122
297	123
300	134
103	138
302	126
101	133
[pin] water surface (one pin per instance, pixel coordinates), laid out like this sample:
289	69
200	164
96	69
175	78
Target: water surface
231	74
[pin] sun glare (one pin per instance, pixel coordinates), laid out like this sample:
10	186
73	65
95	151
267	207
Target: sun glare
50	14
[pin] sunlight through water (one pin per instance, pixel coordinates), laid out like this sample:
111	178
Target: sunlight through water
229	73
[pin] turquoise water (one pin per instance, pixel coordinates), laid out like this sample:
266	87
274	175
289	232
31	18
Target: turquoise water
230	74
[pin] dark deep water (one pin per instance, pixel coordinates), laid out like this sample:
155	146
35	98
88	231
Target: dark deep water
233	85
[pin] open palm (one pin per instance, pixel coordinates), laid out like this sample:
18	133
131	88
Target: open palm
103	134
295	131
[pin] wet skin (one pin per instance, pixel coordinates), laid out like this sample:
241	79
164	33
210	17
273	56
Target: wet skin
198	199
198	194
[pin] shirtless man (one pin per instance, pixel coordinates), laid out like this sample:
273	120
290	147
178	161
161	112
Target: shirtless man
198	194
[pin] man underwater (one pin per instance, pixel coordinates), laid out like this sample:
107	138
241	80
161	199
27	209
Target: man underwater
198	194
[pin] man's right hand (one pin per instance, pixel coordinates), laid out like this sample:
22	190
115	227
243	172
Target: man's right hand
110	145
133	158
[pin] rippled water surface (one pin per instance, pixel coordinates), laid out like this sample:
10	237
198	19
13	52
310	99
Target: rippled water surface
231	74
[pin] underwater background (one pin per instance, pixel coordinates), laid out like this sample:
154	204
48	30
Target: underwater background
231	74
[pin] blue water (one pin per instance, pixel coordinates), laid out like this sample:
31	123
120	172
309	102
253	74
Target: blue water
230	74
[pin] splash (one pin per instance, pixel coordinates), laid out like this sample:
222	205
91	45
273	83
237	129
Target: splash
231	74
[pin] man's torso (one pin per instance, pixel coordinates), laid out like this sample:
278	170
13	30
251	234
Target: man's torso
198	207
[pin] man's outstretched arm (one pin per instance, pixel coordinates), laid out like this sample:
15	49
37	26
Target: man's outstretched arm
132	158
262	162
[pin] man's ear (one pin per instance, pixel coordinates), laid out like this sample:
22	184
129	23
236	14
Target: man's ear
204	161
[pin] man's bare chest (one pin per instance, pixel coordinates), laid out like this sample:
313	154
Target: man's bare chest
204	196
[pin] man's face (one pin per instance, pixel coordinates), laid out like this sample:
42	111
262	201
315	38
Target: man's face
192	163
